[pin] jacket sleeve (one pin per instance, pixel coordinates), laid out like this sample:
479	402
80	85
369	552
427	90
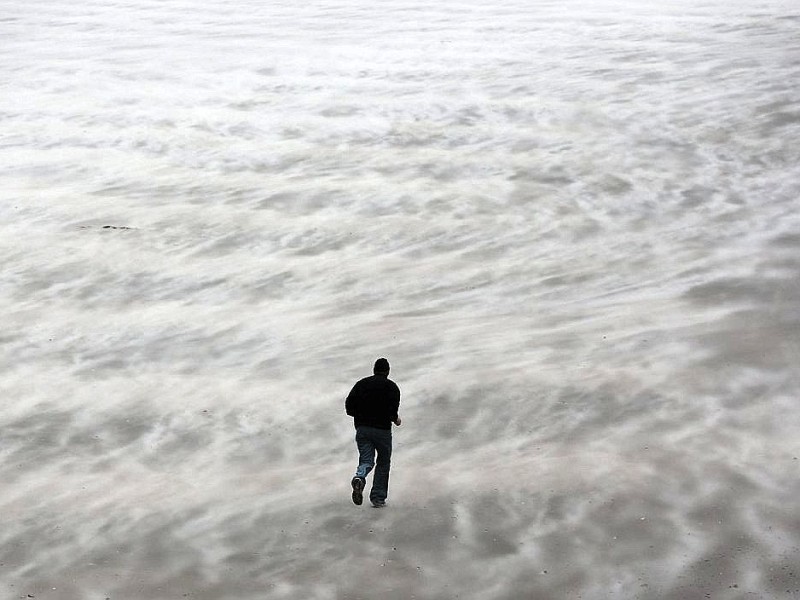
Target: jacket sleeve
396	403
350	403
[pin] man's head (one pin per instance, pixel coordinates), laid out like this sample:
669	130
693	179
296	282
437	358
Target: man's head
381	367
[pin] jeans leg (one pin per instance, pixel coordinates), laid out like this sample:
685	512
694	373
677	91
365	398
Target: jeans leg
366	453
380	481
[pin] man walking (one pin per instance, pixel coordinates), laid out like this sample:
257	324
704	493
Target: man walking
373	403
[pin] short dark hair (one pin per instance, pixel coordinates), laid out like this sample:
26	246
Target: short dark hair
381	366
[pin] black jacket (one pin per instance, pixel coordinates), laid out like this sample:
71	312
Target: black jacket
373	402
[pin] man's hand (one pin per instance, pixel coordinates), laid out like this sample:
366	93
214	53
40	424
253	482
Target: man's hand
398	421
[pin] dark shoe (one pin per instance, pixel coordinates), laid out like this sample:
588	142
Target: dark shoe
379	504
358	485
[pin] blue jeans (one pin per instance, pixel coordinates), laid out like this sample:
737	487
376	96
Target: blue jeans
369	441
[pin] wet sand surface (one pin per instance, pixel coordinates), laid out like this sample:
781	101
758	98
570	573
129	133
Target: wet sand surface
571	227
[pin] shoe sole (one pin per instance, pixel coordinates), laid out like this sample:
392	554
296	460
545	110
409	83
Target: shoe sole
358	486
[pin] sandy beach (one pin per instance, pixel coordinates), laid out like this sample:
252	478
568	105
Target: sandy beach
571	227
